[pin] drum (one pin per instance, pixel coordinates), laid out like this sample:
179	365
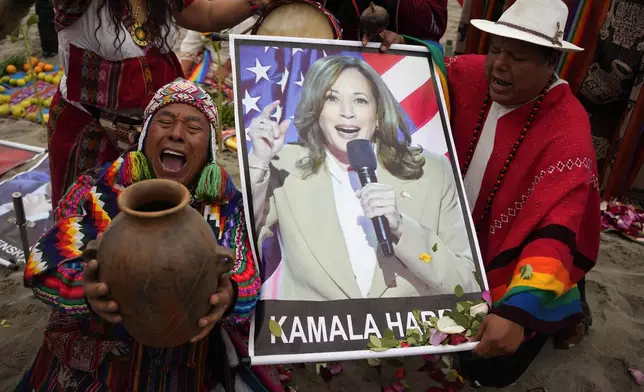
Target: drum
11	14
297	18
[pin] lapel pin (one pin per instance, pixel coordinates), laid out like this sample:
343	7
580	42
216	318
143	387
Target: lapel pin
405	195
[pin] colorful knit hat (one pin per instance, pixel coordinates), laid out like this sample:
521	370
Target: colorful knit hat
214	184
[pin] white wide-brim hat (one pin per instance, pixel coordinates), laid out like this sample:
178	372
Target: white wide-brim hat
540	22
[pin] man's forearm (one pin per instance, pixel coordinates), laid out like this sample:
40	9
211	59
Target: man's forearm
206	16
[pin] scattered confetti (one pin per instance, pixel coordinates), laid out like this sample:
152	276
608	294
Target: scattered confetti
526	271
425	257
637	375
479	309
405	195
458	291
275	328
435	248
4	324
487	297
447	325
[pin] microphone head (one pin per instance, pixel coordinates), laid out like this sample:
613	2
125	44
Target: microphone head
361	154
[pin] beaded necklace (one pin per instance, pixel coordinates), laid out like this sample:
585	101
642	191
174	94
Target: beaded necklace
513	152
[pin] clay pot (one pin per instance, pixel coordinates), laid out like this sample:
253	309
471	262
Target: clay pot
161	263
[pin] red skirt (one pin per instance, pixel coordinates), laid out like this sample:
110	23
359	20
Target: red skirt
76	143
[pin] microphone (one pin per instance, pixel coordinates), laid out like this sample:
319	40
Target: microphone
363	160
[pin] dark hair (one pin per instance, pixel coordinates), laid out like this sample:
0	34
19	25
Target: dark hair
159	20
397	156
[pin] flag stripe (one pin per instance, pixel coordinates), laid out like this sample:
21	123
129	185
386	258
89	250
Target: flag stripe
380	62
406	76
430	136
421	105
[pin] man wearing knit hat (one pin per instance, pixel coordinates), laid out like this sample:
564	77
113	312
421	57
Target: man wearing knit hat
85	346
530	173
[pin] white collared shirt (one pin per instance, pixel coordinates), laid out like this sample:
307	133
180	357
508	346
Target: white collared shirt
483	152
359	234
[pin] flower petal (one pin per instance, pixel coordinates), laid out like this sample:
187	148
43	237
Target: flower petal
448	325
436	337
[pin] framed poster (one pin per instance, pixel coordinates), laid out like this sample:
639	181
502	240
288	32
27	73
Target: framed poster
34	185
354	200
13	155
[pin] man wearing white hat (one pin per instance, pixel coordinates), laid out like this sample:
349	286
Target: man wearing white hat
524	145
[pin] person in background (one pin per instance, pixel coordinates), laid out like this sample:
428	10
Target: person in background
606	77
116	55
199	60
530	173
46	28
409	20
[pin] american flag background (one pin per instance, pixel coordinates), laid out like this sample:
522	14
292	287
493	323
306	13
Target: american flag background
270	73
265	74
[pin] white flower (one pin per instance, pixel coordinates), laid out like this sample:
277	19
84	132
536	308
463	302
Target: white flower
447	325
479	309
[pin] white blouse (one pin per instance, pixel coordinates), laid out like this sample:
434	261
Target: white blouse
359	234
84	35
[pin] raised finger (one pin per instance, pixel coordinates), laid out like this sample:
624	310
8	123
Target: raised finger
268	110
275	128
284	127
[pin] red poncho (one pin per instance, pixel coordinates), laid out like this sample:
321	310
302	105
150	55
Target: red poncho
545	216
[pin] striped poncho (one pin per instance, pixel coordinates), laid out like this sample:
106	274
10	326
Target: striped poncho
89	353
542	232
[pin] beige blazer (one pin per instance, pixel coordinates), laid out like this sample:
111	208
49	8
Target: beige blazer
316	265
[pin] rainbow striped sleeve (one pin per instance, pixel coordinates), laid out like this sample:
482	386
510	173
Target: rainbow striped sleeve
244	272
54	270
539	290
541	296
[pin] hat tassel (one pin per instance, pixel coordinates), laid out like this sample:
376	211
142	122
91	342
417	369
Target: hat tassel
214	184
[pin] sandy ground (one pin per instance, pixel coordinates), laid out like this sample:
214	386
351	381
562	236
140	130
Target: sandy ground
615	292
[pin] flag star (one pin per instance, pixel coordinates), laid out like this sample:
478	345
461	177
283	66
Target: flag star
324	53
284	80
295	50
278	113
250	103
260	71
301	81
266	48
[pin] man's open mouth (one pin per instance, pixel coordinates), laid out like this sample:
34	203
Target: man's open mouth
172	161
348	129
500	83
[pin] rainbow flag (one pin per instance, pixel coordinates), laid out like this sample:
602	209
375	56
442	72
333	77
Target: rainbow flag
200	72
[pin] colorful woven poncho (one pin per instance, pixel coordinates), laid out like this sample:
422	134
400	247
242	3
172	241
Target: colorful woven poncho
89	353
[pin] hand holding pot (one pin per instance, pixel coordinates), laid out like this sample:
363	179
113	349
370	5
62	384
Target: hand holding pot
221	302
96	292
